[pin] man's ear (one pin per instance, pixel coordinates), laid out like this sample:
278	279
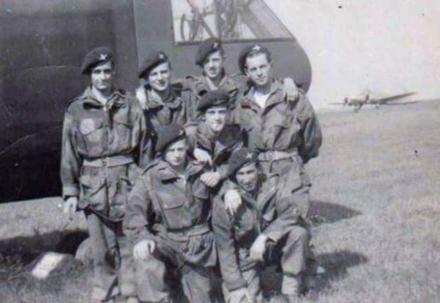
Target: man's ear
246	72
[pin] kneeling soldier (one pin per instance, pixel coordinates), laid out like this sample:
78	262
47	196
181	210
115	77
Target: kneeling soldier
167	217
265	229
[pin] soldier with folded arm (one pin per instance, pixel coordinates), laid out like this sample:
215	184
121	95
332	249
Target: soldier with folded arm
265	229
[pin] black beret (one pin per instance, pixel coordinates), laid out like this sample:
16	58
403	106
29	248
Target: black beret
206	48
244	53
94	57
238	159
213	98
154	59
167	134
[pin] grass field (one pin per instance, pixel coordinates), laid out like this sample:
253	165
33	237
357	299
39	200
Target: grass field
376	202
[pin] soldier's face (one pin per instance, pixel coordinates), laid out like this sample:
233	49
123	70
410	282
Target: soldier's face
159	77
259	69
247	177
213	65
102	76
175	154
215	118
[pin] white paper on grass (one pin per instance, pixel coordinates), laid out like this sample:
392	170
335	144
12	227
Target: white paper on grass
47	264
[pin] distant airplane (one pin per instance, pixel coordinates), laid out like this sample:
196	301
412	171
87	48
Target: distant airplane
376	99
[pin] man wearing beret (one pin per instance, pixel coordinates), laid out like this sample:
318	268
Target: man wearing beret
282	129
266	229
215	139
103	143
210	58
162	102
167	218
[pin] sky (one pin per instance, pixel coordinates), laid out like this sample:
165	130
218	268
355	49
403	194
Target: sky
386	46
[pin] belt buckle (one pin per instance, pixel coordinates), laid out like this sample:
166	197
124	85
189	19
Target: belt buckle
270	156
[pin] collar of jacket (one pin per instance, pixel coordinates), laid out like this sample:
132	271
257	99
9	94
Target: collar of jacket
230	134
166	172
226	83
116	99
275	88
171	101
263	196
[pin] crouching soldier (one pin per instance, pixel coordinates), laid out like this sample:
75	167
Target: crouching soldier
163	102
265	229
167	218
215	140
103	141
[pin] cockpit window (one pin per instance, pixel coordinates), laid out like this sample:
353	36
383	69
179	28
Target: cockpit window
196	20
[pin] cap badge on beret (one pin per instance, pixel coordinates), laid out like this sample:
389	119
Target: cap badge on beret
161	56
249	156
103	57
215	45
256	48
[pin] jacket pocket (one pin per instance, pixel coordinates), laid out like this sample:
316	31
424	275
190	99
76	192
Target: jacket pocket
93	191
93	133
173	209
123	130
120	197
285	133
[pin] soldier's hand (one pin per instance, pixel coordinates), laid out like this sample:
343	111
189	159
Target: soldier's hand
290	89
144	249
202	156
240	295
211	179
232	201
258	248
70	206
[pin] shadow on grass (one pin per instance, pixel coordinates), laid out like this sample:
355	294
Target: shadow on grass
29	247
336	265
18	256
328	212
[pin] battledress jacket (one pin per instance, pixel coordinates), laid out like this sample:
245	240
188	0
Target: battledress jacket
102	147
175	109
264	213
164	206
283	125
219	147
287	129
232	84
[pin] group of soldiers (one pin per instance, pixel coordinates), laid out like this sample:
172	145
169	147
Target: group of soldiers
182	177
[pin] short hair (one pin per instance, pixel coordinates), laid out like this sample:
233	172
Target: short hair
256	52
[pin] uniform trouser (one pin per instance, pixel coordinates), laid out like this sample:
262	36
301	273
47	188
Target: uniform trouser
252	278
291	253
153	273
112	261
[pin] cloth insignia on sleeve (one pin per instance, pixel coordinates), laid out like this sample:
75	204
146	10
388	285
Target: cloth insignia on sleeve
87	126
